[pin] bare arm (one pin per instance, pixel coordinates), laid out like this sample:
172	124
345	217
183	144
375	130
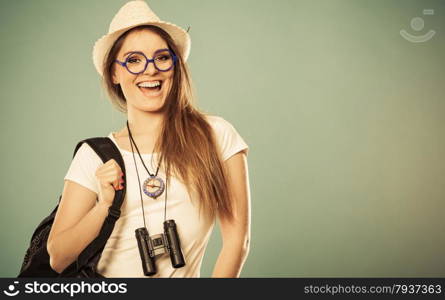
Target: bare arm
235	233
77	223
79	218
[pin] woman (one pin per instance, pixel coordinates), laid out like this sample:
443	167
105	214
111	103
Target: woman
195	164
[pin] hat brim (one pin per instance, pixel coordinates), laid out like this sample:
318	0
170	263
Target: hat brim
104	44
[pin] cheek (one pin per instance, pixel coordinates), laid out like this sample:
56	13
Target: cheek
127	82
117	76
169	80
129	89
123	76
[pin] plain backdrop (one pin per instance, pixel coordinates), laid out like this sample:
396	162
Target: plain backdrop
343	116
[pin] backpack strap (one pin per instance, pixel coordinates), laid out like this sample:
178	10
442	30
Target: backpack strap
106	150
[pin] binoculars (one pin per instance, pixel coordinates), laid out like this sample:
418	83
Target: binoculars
152	246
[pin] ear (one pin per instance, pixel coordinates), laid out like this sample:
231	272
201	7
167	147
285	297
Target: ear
115	77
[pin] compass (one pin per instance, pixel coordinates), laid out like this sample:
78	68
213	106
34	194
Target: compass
153	186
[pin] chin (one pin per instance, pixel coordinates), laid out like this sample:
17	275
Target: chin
151	107
147	104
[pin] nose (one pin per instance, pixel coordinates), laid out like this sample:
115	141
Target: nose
150	70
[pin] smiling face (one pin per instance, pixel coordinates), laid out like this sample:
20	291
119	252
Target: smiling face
148	90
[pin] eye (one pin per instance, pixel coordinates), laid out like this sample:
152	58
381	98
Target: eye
163	57
133	60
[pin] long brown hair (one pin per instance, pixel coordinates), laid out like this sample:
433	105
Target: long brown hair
187	143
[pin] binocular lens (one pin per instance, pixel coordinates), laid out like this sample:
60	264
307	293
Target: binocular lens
176	256
144	251
149	248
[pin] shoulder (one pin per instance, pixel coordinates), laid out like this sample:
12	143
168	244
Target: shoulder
85	150
228	140
86	155
83	167
218	124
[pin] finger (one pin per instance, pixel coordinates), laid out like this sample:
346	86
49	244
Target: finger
110	172
119	171
121	183
117	185
109	179
114	180
110	162
102	170
106	182
115	164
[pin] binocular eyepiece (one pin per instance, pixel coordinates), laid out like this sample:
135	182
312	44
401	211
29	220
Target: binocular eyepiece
158	244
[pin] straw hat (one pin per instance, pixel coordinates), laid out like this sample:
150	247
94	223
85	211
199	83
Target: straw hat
133	14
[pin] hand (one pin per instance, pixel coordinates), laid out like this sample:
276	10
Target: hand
110	179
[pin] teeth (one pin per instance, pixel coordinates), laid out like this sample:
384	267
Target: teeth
149	84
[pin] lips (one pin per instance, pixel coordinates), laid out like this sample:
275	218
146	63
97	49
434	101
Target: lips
150	88
150	84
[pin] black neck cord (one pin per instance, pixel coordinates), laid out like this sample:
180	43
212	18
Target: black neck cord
139	181
137	149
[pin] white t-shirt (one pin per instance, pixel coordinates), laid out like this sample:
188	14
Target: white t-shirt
120	257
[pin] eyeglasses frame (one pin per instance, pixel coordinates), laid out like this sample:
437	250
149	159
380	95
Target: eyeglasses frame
147	61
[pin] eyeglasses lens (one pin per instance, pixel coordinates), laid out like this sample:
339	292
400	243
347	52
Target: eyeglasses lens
136	62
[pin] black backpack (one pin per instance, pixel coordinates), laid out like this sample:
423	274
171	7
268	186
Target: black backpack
36	260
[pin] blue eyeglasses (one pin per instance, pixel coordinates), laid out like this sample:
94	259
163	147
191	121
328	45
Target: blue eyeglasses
136	62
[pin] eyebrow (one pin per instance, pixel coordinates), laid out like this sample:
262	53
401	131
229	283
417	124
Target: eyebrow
126	53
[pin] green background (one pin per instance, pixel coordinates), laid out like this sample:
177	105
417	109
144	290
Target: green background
343	116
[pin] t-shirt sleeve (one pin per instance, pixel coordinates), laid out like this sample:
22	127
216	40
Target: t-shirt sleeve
83	168
228	139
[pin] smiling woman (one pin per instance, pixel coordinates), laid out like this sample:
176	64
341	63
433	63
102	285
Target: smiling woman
155	75
194	165
136	63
